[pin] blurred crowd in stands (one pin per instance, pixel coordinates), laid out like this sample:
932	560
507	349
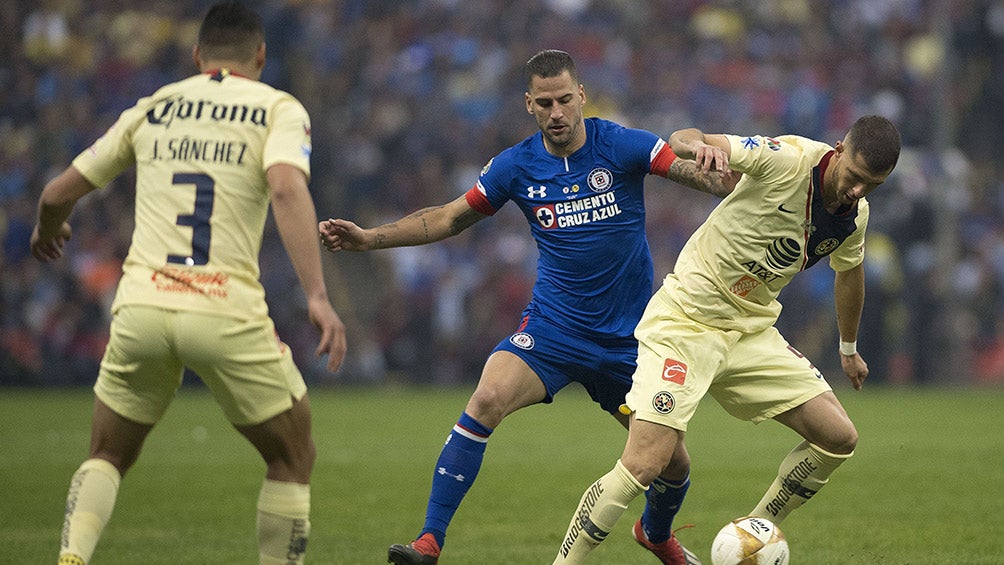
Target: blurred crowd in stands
410	98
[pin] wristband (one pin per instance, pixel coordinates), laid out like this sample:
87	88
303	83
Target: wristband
848	347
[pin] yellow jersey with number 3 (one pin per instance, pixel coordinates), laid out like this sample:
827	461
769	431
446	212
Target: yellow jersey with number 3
773	226
201	147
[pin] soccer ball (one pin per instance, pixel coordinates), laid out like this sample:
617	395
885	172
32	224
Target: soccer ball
749	541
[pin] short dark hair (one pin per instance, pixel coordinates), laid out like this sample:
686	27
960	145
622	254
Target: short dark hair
877	140
549	63
230	31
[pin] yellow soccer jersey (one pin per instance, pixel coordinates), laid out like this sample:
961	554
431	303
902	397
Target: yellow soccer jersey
771	227
201	147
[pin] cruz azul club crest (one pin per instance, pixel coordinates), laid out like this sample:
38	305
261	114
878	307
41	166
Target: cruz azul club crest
600	179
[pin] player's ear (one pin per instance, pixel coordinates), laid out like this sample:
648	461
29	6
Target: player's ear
259	57
839	148
196	57
529	104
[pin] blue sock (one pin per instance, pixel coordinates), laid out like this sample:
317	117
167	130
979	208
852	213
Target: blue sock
455	472
663	501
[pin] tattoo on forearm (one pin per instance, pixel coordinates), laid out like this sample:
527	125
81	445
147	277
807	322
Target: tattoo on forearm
464	221
428	229
424	211
420	216
686	173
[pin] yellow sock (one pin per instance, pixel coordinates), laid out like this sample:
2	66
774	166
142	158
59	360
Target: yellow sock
802	473
89	505
283	522
599	509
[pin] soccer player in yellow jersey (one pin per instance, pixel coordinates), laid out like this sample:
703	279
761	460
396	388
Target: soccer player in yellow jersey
710	328
211	153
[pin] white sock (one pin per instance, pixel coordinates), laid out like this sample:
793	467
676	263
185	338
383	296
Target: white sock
599	509
283	523
802	473
89	505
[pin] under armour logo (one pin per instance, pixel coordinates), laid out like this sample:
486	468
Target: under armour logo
532	192
443	471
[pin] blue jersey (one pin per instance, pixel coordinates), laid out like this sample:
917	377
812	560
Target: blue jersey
587	214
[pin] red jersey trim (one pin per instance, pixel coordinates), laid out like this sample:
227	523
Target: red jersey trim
663	159
824	162
478	201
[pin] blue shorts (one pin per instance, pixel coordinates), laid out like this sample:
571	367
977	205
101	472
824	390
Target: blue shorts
602	365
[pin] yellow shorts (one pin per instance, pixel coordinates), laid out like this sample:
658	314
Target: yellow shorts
754	376
249	371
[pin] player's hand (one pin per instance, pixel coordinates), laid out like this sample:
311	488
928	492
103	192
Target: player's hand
730	179
711	158
49	249
333	342
855	368
338	235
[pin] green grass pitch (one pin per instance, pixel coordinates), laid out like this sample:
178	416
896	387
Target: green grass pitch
925	486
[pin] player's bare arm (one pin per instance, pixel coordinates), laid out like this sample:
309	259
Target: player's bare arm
711	151
849	298
418	228
54	207
687	173
291	205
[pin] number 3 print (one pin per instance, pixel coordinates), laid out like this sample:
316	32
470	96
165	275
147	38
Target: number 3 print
198	220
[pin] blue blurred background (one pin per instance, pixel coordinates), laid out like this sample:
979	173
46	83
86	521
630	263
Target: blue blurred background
410	98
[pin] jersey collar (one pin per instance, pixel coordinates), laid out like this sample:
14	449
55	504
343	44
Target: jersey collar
819	173
221	73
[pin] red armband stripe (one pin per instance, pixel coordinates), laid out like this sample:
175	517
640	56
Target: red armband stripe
479	202
662	160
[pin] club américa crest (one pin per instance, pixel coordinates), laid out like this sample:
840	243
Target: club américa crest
663	402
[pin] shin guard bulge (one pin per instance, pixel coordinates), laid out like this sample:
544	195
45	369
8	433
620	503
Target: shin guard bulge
600	507
283	523
802	473
89	505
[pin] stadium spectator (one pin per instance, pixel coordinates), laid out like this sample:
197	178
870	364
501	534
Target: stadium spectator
394	81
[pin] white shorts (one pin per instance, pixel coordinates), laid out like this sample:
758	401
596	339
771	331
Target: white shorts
249	371
754	376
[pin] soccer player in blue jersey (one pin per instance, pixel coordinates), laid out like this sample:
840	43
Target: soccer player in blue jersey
710	328
580	185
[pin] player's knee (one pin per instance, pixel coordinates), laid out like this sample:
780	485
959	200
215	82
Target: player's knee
841	441
643	469
121	462
302	454
850	440
293	463
488	406
308	457
678	467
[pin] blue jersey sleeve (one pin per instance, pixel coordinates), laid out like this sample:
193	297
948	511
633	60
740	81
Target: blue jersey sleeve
495	180
636	149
